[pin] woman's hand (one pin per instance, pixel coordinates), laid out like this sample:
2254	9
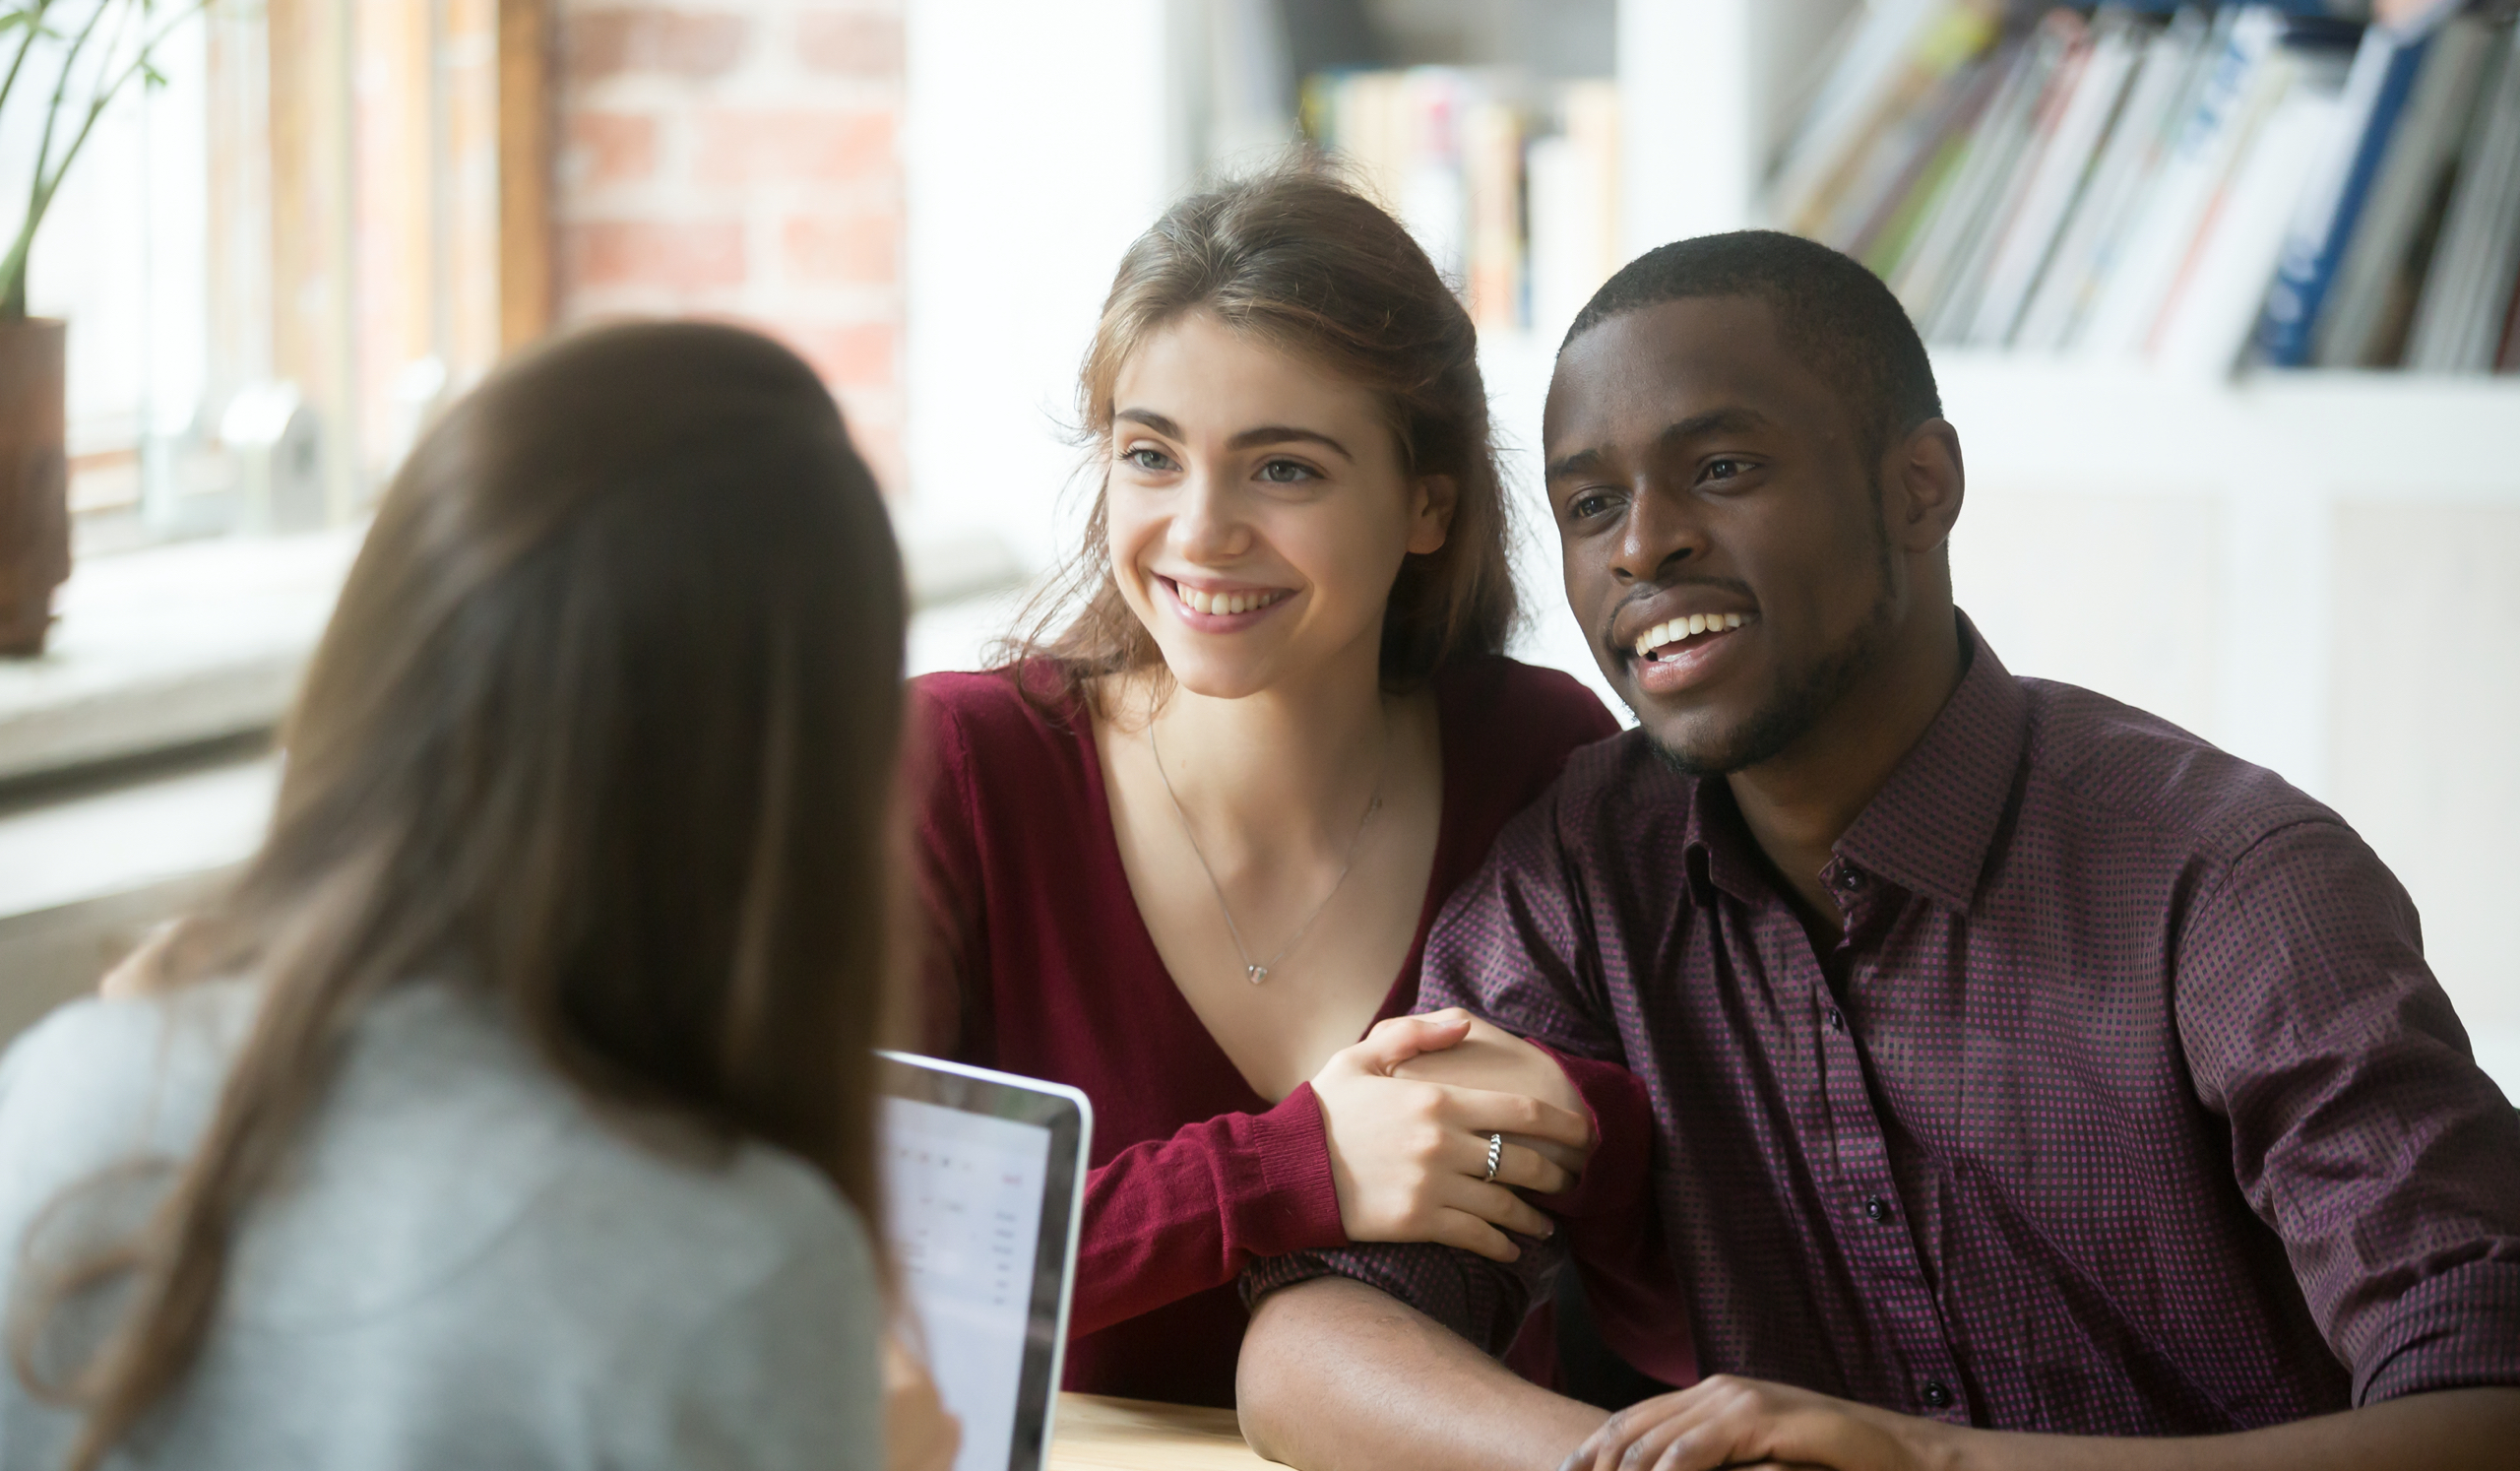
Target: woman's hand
1408	1155
918	1436
1730	1422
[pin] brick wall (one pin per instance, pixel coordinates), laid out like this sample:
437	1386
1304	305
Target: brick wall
739	159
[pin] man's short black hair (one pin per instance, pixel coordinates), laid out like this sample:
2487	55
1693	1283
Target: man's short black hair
1834	316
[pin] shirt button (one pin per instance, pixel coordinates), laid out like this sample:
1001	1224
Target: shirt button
1935	1395
1850	879
1875	1208
1836	1020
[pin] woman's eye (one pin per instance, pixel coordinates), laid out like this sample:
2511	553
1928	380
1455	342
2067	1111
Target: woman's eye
1287	473
1152	461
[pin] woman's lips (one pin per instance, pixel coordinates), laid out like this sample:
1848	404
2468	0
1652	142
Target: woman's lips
1223	610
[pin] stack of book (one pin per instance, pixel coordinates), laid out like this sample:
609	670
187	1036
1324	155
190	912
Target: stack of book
1516	200
2193	191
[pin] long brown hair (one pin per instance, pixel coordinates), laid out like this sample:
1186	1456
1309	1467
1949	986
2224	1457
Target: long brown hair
1299	260
605	727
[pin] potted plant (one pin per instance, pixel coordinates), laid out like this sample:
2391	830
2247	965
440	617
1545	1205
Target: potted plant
89	51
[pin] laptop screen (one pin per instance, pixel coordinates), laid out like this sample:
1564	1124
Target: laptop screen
981	1172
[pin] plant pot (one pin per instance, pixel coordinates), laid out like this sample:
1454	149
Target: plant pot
35	483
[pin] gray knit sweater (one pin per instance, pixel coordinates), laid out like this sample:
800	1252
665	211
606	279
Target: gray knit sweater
465	1267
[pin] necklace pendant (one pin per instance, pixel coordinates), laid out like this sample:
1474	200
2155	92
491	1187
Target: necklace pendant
1257	973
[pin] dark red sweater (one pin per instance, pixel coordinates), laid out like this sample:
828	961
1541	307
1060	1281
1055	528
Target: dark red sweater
1040	965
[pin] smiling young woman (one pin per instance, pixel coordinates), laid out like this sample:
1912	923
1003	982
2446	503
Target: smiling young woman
1182	847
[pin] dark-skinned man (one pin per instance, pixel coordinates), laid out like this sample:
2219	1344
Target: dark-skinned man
2022	1074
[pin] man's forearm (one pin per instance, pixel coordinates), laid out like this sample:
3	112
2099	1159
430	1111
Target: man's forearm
1335	1374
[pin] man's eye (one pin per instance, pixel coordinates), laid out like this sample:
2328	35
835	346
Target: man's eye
1586	507
1287	473
1153	461
1725	469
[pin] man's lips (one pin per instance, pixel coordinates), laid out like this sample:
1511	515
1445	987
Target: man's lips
1672	633
1684	650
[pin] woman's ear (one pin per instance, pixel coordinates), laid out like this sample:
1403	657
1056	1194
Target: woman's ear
1430	519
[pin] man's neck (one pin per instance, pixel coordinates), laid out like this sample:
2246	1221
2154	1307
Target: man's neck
1798	803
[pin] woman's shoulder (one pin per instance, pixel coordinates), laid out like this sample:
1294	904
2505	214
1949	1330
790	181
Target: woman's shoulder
99	1079
1501	708
996	715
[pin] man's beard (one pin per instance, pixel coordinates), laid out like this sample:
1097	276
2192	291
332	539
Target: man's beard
1804	694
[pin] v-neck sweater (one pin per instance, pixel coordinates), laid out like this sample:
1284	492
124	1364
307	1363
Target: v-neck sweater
1041	963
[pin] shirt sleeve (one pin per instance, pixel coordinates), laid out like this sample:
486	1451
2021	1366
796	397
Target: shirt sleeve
1171	1217
1510	946
2361	1130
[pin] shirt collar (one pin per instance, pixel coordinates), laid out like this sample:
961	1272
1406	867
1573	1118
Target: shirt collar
1928	829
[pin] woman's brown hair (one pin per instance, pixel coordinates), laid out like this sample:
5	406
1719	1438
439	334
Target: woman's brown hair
1298	260
603	728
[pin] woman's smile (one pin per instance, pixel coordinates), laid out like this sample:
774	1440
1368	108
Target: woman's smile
1208	607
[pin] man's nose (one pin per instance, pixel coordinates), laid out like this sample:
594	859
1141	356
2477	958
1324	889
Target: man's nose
1208	526
1661	530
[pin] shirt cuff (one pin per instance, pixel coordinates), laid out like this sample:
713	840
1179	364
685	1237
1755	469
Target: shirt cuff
1615	1178
2459	1330
1293	1204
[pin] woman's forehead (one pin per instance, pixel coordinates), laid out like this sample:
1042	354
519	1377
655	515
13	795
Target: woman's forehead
1206	378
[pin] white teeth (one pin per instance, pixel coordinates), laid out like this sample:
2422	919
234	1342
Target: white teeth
1224	604
1676	630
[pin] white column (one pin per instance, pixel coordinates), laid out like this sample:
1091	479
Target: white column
1036	144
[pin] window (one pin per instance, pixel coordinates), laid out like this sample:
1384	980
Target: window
280	260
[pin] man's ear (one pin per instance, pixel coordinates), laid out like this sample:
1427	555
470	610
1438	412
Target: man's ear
1926	484
1430	519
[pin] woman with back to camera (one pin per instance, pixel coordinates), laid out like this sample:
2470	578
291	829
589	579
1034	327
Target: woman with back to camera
1184	851
514	1108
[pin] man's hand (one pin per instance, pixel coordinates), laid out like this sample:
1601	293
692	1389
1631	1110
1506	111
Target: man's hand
1408	1158
1734	1421
1725	1421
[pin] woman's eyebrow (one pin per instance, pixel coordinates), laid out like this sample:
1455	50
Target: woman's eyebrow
1152	420
1287	434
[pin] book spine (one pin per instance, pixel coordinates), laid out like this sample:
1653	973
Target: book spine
2375	94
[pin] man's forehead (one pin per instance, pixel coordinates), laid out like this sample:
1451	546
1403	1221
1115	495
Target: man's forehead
1638	372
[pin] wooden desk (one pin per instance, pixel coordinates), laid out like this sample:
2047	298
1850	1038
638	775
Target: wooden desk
1096	1434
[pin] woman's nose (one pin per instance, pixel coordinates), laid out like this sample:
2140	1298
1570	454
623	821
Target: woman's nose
1208	526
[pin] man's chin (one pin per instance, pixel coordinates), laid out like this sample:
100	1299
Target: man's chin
1698	745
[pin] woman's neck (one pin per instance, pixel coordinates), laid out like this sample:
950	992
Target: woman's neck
1278	773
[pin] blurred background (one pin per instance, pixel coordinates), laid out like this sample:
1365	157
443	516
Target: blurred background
2220	300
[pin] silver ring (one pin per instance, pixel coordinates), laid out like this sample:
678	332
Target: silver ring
1495	1157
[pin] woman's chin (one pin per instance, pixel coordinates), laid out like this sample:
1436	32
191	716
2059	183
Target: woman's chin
1218	679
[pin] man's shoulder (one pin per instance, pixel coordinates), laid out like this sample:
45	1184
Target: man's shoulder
1622	789
2114	763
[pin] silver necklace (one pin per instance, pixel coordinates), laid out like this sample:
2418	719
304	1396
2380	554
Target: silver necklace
1257	972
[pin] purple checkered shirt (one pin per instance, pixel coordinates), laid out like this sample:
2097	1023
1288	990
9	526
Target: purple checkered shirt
2125	1106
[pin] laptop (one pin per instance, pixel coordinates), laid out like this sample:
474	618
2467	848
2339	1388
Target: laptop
983	1196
